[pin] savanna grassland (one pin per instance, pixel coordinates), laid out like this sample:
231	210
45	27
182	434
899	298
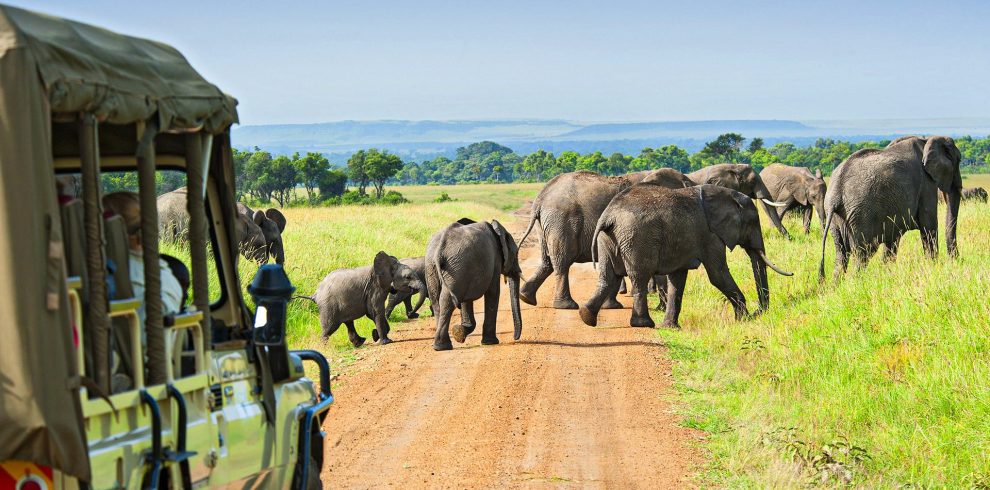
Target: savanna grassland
879	379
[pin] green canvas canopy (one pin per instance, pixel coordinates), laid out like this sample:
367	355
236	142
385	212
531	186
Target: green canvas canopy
54	69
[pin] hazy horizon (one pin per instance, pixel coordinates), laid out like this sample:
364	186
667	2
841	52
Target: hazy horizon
628	61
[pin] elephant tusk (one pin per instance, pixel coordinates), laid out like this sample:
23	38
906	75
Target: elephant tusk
775	204
773	266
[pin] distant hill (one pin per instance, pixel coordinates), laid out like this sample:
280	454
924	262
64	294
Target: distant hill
420	140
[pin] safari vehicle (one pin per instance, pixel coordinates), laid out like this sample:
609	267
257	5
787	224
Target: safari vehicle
214	398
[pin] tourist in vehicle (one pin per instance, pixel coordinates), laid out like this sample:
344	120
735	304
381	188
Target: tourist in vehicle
127	205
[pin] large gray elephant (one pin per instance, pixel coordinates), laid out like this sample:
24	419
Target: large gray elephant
877	195
418	266
256	242
345	295
650	229
463	263
974	194
797	188
566	211
741	177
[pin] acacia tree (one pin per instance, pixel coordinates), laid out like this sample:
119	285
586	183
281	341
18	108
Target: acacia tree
379	166
282	178
357	171
311	170
256	179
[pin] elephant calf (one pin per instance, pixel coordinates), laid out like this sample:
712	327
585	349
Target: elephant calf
649	230
348	294
418	266
463	263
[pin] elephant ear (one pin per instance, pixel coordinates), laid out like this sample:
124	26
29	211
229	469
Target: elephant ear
276	216
818	174
941	161
723	210
382	269
510	254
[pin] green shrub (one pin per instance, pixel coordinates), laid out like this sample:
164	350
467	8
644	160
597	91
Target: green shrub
444	197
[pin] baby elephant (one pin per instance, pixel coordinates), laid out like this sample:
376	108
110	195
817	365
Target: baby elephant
463	263
648	230
417	264
348	294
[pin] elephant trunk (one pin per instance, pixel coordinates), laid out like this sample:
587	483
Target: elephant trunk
951	219
756	258
763	194
514	305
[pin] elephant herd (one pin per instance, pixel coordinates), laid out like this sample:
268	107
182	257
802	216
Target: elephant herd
651	227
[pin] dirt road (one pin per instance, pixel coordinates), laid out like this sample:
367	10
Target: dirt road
568	406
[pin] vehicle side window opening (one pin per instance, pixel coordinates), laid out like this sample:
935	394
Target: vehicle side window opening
123	227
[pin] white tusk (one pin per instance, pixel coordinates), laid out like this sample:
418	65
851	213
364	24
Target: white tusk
775	204
776	269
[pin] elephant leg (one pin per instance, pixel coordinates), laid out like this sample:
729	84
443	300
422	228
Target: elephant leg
807	219
612	302
329	327
660	283
393	301
622	287
527	293
419	304
409	309
719	276
443	310
928	225
488	336
356	340
640	309
562	297
608	287
461	331
842	251
675	294
382	328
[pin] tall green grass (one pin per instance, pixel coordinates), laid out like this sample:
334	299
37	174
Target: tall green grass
879	379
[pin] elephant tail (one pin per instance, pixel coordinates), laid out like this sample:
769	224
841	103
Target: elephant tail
543	233
441	265
604	225
310	298
821	265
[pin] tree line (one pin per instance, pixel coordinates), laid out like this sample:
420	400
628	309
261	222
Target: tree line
264	177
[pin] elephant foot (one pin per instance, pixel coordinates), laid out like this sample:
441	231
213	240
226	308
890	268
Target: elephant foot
759	311
644	322
590	319
358	341
671	324
443	346
612	304
460	332
412	316
527	297
374	335
565	304
385	341
489	341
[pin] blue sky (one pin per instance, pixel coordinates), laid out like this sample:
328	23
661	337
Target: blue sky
621	60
